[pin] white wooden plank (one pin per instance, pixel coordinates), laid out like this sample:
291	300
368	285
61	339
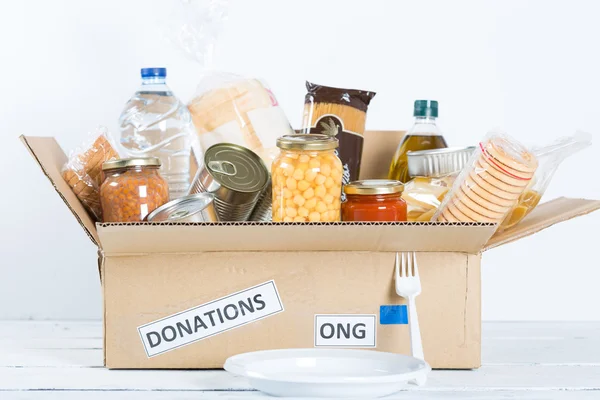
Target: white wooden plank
251	395
547	343
47	329
486	378
52	358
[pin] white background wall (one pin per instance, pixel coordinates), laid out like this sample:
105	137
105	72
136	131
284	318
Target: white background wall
531	67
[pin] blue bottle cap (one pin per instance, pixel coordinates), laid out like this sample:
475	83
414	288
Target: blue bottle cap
154	72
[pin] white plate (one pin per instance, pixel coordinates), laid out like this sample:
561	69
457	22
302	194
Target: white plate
328	372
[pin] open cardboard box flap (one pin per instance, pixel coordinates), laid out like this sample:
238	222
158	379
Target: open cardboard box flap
142	238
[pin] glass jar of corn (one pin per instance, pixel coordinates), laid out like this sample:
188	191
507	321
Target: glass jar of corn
307	179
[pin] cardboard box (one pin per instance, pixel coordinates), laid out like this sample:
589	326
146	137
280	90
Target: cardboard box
191	295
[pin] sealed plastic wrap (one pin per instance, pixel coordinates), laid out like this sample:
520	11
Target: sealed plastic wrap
549	157
341	113
433	173
490	185
232	109
83	170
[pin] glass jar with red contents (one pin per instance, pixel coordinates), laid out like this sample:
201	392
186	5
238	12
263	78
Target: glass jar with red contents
374	200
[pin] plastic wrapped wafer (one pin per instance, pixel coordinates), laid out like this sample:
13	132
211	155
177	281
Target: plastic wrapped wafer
83	170
490	185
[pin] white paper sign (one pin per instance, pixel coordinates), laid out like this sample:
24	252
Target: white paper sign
345	330
210	319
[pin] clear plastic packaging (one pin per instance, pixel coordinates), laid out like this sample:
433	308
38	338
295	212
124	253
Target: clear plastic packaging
228	108
489	186
549	157
83	170
424	195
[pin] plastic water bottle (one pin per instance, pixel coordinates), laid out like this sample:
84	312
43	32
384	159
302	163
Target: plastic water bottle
154	123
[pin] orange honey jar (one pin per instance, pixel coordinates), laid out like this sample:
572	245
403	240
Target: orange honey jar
132	189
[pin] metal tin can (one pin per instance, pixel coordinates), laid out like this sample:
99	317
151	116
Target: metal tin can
263	210
438	162
199	207
236	176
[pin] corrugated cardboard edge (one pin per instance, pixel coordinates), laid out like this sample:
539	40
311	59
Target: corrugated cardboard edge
79	221
544	216
101	260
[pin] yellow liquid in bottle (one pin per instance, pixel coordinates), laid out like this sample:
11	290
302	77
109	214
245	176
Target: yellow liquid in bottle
399	166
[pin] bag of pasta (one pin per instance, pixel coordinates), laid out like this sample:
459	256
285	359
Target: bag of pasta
549	158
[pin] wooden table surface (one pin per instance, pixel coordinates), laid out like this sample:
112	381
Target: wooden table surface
63	360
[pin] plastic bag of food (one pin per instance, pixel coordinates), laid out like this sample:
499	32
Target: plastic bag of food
424	195
83	170
341	113
490	185
549	157
433	173
228	108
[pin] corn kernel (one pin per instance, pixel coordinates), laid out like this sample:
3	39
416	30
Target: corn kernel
331	207
320	179
302	166
288	219
298	174
328	198
314	163
291	212
335	191
287	193
299	219
334	215
321	206
314	217
295	192
325	216
290	203
302	212
326	169
303	185
299	200
291	183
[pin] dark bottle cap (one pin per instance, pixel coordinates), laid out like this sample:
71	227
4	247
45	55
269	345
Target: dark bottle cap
426	108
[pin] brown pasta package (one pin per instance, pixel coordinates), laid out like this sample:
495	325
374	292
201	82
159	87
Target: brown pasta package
341	113
83	171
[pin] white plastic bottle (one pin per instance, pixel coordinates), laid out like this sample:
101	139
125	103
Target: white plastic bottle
154	123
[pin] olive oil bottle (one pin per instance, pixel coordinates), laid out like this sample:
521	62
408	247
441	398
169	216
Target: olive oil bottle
424	135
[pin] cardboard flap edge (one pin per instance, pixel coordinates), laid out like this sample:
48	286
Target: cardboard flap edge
50	158
544	216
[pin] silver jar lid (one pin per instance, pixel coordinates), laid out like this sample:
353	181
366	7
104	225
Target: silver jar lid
185	208
438	162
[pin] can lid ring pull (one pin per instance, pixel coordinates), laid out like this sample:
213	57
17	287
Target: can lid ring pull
179	214
223	167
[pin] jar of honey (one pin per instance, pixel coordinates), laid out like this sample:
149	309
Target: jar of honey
307	179
374	200
132	189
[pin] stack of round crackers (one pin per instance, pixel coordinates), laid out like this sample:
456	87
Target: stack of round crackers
498	174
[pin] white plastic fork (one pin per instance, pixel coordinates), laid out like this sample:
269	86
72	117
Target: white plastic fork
408	285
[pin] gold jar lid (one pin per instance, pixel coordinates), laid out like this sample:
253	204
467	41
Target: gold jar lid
374	186
131	162
307	141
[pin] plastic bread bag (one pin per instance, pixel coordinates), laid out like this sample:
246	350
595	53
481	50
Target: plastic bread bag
233	109
549	157
83	170
490	185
